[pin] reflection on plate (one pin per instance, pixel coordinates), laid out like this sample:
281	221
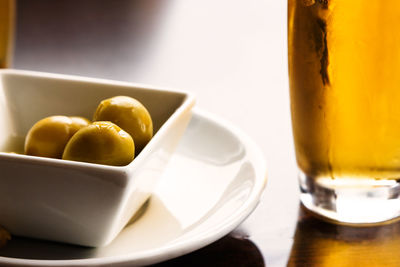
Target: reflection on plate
213	182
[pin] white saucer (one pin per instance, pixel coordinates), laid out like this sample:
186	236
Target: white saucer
213	182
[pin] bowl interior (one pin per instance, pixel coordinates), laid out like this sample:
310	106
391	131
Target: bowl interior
26	97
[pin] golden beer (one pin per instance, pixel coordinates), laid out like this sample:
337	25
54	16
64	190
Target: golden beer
344	65
344	75
6	31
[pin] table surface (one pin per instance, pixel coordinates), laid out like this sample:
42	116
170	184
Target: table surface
232	55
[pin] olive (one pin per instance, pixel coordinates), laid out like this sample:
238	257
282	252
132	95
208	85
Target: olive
129	114
48	137
101	142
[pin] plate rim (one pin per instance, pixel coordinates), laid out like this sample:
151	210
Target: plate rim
180	248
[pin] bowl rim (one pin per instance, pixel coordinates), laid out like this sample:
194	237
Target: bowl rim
186	105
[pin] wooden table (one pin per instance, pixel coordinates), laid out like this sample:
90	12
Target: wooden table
232	54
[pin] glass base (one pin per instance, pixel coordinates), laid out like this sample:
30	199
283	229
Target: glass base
354	201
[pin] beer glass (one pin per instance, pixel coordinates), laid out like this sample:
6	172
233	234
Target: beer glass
6	31
344	76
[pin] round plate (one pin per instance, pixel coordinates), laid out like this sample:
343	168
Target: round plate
212	183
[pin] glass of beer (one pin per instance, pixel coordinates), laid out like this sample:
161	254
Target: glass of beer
7	11
344	76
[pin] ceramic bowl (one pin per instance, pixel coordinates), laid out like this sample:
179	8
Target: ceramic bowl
77	202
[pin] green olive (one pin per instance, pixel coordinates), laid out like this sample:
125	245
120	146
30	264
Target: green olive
130	115
101	142
48	137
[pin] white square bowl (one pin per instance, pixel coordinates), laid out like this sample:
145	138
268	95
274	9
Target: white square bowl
77	202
